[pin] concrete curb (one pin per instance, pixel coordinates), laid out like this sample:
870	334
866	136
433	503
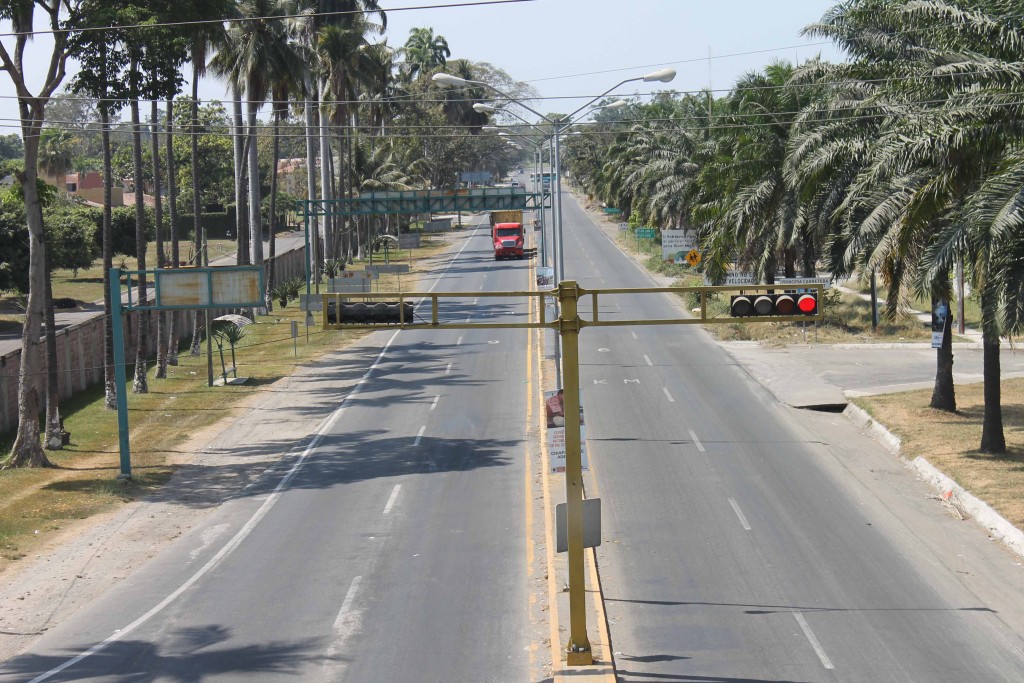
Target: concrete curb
995	524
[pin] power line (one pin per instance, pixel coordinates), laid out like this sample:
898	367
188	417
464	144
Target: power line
204	22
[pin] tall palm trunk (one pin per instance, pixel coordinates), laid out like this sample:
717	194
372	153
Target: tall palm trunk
255	201
311	170
110	387
325	175
172	213
268	297
52	441
241	203
944	392
992	438
161	329
139	383
197	204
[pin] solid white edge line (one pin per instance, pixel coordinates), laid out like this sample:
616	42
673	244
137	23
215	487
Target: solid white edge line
434	403
391	500
648	360
419	435
739	513
696	441
237	539
668	395
818	649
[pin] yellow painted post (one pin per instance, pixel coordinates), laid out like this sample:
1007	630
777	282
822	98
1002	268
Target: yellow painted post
577	651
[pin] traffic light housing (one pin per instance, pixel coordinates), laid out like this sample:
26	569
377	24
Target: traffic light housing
788	304
369	313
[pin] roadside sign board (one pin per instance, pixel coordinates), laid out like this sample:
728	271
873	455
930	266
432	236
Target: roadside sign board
411	240
213	287
623	227
645	233
783	282
388	268
311	302
675	244
591	525
350	281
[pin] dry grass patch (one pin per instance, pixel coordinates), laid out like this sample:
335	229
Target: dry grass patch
949	441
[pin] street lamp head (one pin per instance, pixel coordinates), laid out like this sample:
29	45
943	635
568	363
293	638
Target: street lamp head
490	128
448	81
482	108
617	104
663	75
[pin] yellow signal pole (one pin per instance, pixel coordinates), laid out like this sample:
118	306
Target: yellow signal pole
577	650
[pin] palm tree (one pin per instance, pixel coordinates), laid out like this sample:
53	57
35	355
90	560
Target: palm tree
254	51
350	64
201	37
423	52
954	145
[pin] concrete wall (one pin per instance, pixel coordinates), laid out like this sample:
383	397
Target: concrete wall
80	348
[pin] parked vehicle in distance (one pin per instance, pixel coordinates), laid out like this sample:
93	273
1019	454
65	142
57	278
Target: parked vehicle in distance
507	234
515	183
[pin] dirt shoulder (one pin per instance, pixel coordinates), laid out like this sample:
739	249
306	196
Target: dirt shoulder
89	556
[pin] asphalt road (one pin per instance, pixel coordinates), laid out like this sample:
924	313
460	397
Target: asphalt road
390	546
747	541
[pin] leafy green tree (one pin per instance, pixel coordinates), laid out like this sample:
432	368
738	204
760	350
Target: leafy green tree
71	234
11	147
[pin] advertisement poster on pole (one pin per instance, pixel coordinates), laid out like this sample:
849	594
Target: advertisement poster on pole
554	412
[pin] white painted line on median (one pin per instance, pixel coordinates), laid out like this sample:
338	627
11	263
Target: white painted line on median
459	342
476	301
633	334
739	513
419	435
468	317
391	500
648	360
818	649
434	403
668	395
448	370
696	441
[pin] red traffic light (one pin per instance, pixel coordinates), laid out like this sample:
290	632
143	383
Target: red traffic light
768	305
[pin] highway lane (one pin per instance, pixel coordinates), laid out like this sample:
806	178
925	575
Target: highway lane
737	545
391	546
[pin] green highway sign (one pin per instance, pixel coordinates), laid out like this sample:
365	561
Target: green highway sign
645	233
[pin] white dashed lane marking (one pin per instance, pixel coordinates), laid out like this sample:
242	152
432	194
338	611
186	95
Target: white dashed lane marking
696	441
419	435
739	513
391	500
668	395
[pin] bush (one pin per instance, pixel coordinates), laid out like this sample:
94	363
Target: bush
122	230
71	237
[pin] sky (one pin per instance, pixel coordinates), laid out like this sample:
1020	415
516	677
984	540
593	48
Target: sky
570	51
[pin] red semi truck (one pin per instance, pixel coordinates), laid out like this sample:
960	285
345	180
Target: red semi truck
507	234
